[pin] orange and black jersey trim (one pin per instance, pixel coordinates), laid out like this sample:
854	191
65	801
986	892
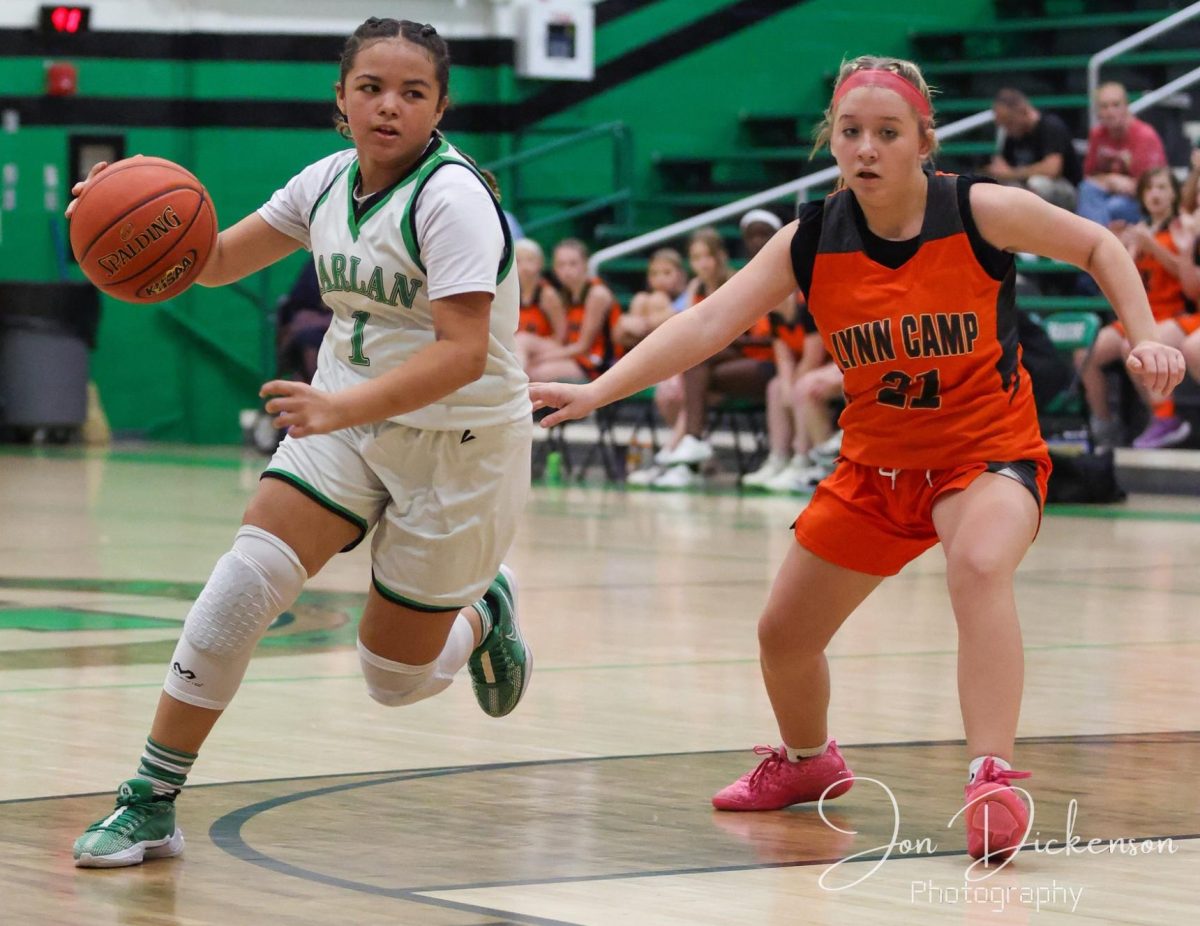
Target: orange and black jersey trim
532	319
604	350
793	333
924	330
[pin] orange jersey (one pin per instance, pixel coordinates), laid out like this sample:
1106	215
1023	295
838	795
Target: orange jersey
1163	289
933	374
761	329
793	333
532	319
602	351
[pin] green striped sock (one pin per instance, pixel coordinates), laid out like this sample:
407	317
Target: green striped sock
166	769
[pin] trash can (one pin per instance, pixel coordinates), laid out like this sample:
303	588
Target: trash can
46	332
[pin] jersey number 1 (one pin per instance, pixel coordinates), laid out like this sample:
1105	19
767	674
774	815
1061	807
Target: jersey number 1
896	393
357	356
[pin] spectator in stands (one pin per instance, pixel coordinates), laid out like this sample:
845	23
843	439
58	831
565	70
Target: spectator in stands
301	321
1188	199
1036	152
589	307
798	351
709	260
1121	147
1163	248
542	324
743	369
664	295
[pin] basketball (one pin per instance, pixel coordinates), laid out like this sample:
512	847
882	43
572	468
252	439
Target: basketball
143	229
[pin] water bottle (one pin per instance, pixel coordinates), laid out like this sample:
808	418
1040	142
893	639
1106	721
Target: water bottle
635	455
554	474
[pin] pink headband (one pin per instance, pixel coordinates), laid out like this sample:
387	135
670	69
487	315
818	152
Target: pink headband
876	77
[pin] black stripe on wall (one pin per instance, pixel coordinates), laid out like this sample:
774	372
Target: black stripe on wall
608	10
471	117
662	50
234	114
221	46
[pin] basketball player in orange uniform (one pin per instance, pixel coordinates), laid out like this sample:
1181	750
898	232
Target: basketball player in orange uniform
910	280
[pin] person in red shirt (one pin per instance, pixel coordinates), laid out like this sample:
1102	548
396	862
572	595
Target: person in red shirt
1121	147
910	279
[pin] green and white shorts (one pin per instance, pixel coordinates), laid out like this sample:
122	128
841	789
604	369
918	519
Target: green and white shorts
445	504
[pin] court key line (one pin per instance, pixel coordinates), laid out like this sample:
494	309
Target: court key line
226	833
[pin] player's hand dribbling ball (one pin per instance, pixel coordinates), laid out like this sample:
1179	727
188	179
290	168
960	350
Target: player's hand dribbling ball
142	229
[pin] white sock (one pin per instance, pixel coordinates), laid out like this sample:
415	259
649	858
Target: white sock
808	752
973	768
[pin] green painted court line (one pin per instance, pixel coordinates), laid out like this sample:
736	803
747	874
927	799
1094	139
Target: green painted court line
610	667
48	620
155	458
1116	513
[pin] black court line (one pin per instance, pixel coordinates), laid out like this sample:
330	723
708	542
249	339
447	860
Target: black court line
1086	739
225	832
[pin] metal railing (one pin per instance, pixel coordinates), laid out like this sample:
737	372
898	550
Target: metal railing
620	196
801	185
797	187
1119	48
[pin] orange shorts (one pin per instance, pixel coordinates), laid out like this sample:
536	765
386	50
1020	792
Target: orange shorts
1188	321
862	518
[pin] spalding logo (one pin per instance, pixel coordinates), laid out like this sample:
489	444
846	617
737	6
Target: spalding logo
163	225
170	278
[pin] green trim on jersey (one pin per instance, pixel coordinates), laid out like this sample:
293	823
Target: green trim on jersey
414	172
325	193
323	500
408	222
399	599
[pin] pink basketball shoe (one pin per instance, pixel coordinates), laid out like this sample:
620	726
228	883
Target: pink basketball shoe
778	783
995	814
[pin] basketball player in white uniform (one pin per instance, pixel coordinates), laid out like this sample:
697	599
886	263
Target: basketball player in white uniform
417	424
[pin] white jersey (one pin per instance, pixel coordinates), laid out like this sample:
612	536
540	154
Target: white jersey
438	232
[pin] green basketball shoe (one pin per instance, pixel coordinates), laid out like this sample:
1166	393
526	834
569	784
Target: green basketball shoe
501	664
139	828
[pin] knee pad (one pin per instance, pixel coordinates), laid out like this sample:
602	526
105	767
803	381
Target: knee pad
394	684
249	587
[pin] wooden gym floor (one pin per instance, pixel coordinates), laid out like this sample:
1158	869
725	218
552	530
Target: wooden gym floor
589	805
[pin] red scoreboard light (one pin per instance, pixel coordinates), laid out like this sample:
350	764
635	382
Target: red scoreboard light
65	20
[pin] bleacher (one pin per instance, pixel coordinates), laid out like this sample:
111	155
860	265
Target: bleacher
1039	46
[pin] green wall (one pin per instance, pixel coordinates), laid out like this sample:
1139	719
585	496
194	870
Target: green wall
780	65
181	370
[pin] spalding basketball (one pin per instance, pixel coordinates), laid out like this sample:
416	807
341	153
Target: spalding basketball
143	229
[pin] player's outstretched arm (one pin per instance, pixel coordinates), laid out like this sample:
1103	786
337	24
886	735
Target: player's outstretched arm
243	249
684	340
1017	220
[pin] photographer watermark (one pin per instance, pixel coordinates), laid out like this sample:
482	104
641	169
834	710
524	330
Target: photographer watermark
996	897
980	870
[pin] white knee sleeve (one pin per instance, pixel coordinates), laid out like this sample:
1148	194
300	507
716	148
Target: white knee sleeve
249	587
395	684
